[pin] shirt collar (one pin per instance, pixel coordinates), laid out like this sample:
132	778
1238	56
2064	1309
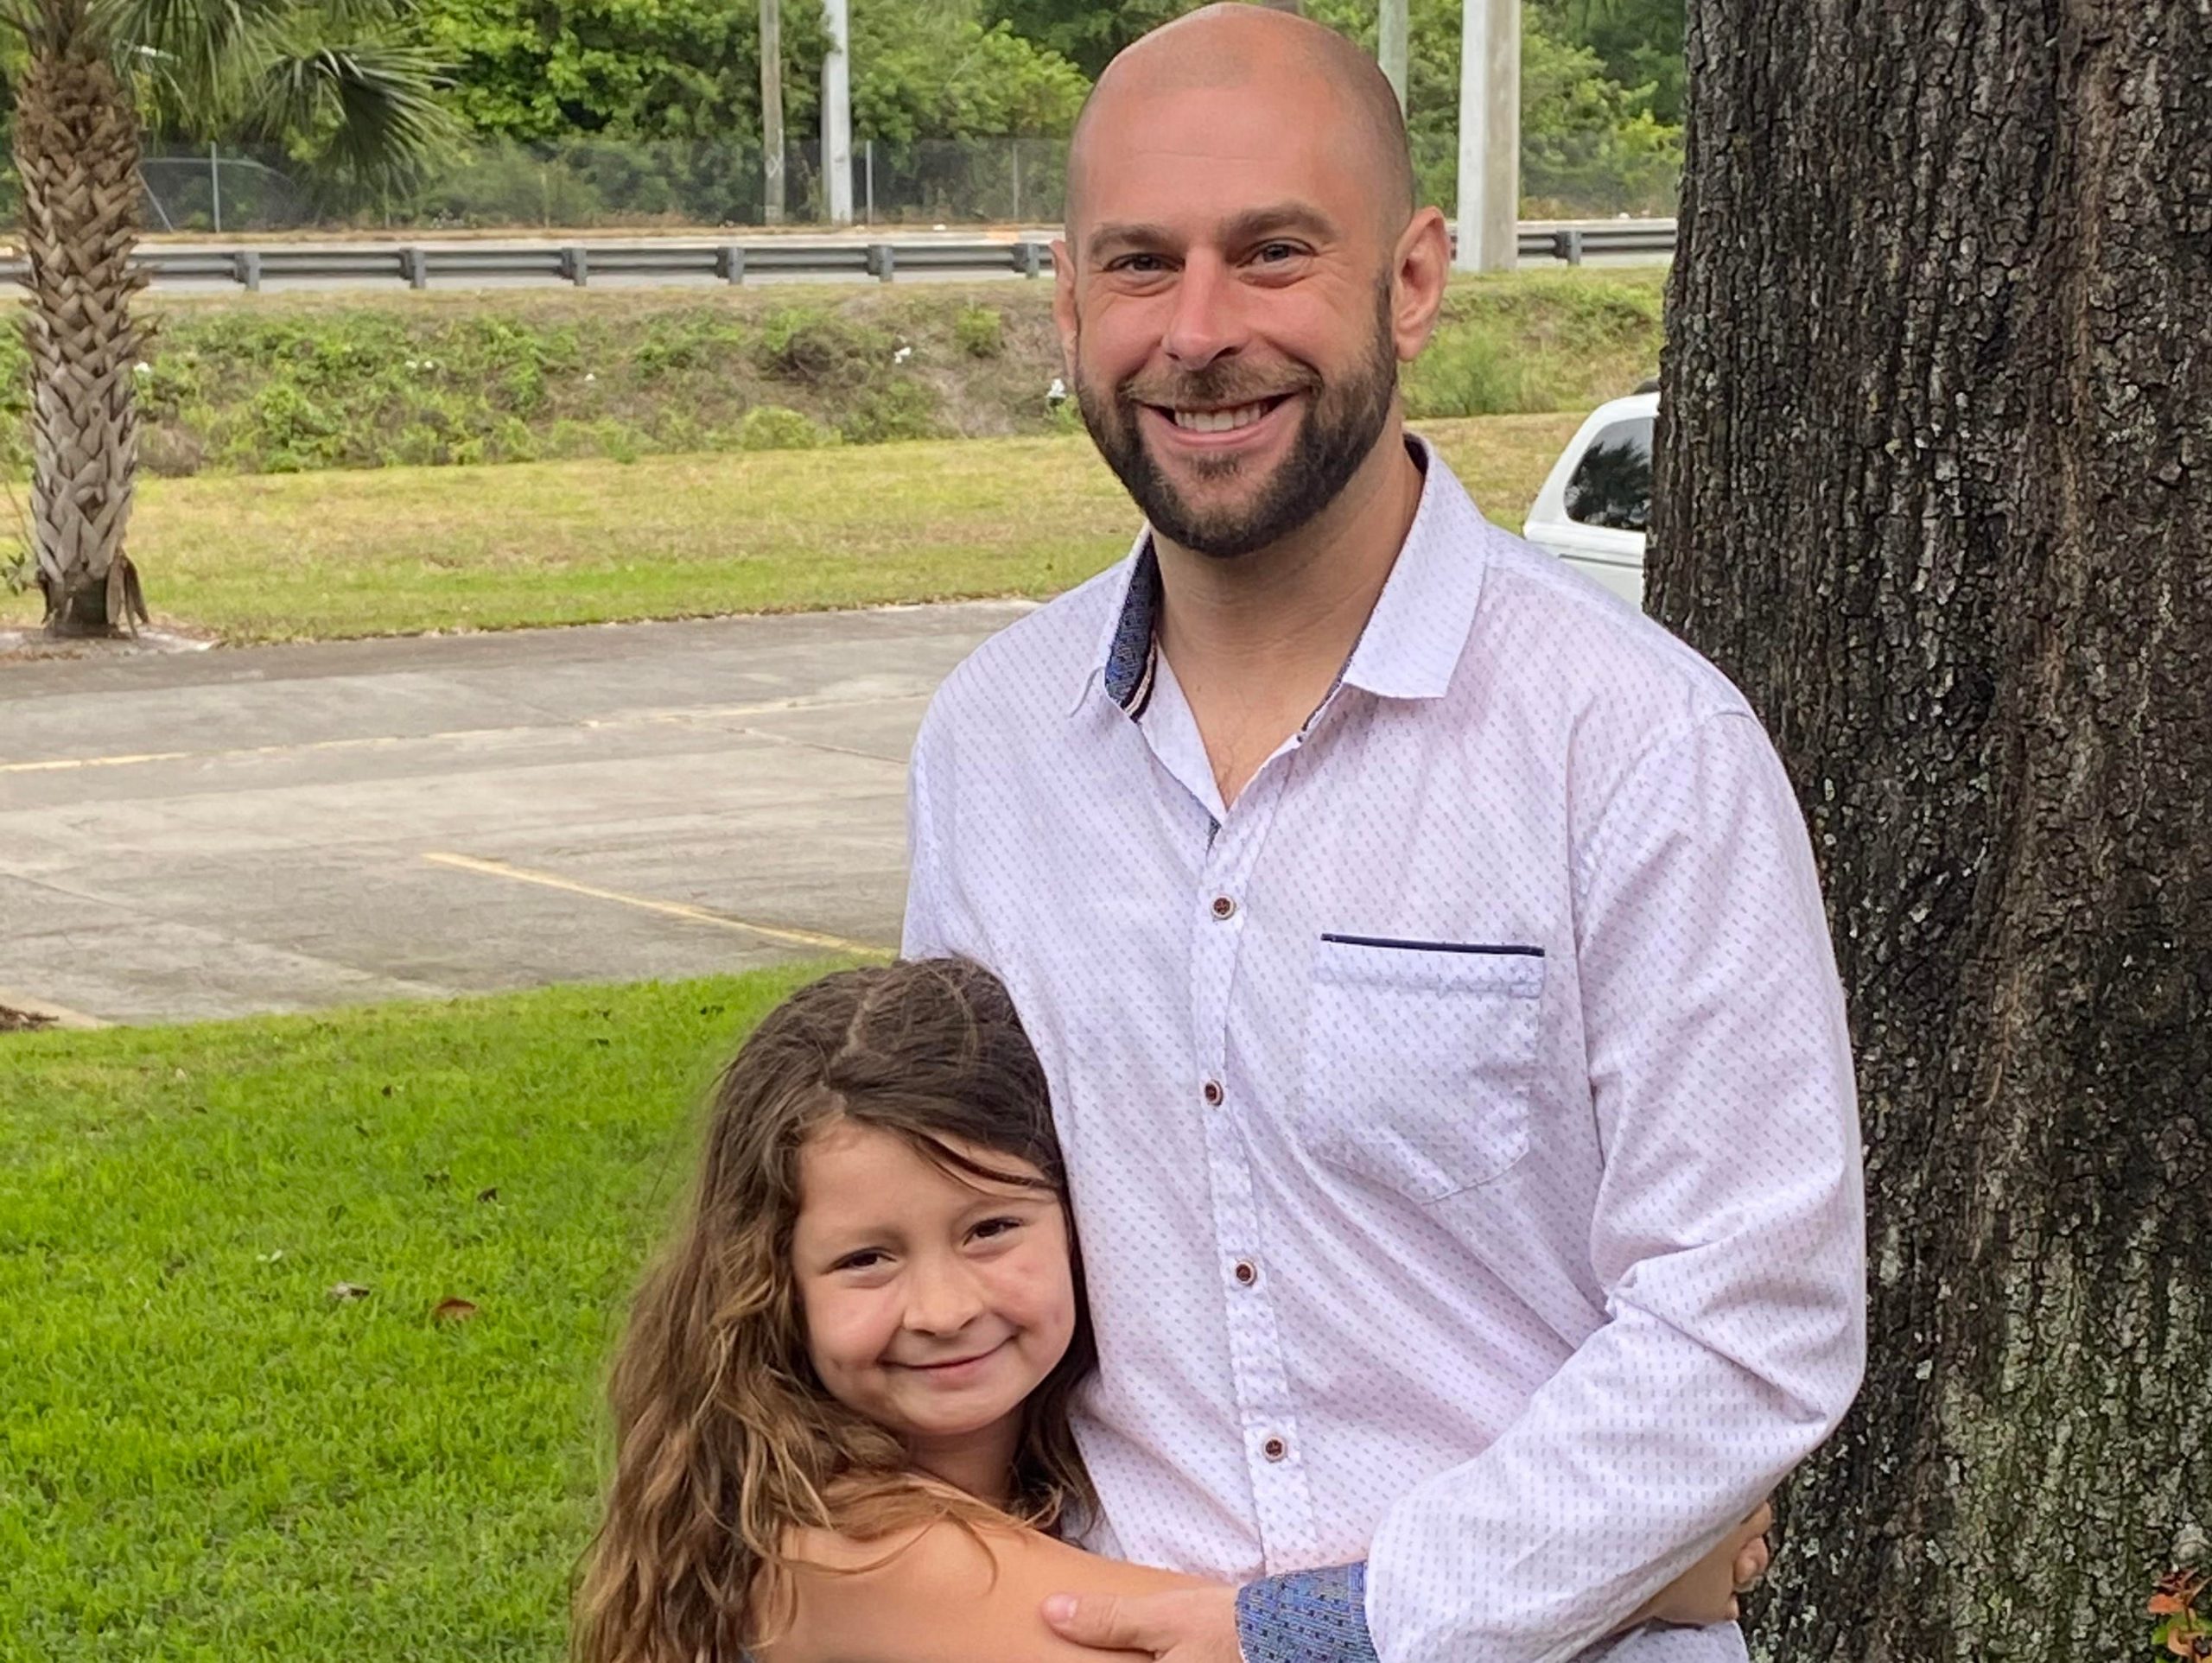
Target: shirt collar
1413	638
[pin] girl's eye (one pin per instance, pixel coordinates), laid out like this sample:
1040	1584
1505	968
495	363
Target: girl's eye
992	1228
867	1259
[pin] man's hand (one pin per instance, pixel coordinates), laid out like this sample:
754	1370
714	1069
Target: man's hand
1706	1593
1195	1625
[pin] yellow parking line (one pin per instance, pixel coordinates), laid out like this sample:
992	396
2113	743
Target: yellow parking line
96	762
647	904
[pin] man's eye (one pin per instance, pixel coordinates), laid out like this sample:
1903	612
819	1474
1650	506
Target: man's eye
1275	253
1143	265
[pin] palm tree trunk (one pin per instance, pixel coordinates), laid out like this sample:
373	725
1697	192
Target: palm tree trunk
76	144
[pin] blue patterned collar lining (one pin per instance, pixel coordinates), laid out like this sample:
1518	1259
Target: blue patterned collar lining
1133	654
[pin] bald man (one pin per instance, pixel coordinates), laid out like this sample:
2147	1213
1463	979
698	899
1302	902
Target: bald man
1424	950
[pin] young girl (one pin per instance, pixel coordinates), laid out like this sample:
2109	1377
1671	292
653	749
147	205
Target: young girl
843	1407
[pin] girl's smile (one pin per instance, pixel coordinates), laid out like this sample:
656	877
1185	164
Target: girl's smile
936	1300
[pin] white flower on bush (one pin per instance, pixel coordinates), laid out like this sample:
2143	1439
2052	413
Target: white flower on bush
142	368
902	355
589	377
1057	394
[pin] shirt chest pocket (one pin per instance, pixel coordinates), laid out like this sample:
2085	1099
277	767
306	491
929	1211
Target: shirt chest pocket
1419	1057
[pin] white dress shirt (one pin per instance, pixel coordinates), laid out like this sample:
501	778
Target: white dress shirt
1461	1123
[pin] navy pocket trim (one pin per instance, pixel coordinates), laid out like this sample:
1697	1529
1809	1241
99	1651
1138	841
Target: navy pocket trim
1493	949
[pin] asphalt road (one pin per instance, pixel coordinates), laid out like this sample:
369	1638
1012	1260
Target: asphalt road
279	828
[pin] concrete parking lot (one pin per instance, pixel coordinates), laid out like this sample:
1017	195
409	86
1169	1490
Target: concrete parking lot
279	828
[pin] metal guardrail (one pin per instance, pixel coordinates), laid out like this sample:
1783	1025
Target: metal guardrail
420	265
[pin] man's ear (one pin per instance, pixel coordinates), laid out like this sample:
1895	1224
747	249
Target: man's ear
1064	304
1422	266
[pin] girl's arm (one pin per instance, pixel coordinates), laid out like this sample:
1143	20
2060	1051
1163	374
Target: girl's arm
938	1593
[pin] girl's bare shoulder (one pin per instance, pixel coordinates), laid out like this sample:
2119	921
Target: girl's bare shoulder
945	1591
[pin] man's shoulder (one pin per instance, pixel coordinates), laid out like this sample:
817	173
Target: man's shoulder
1565	639
1036	665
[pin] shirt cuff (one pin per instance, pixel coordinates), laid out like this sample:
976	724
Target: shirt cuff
1307	1616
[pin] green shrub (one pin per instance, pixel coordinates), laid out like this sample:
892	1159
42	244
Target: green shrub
816	349
771	427
904	409
979	331
1469	372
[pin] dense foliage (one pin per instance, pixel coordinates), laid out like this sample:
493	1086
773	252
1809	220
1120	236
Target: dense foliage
1602	78
665	69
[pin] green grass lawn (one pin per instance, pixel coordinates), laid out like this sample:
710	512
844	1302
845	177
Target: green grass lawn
203	1455
333	554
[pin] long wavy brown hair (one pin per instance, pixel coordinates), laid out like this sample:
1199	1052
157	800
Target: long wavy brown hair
726	1442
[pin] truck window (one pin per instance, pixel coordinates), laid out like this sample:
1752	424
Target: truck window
1611	484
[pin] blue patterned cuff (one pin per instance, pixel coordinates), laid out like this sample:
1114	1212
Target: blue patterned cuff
1308	1616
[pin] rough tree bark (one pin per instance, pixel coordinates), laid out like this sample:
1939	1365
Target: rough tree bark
76	146
1934	485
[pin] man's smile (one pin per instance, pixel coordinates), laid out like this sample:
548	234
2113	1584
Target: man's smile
1193	420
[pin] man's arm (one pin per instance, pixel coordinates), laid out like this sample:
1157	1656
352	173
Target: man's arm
1729	1238
928	928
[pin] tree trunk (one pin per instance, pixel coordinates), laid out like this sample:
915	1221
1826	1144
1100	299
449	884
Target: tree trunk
1935	486
76	144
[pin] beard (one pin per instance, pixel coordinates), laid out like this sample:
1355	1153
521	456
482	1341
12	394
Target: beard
1342	420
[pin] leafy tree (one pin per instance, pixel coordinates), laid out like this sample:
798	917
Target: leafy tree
625	69
948	75
670	69
1587	142
1085	34
1638	42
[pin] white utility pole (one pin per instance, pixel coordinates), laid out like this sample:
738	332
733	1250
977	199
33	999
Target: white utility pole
837	118
1490	135
1390	47
772	110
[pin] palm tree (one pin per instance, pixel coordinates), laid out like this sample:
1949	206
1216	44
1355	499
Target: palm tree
335	73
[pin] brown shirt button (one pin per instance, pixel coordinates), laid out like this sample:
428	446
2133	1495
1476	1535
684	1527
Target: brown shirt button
1247	1272
1223	907
1275	1449
1212	1092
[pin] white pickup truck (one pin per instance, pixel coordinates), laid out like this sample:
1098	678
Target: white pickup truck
1596	504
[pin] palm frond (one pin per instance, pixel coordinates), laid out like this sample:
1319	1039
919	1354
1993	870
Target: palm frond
194	47
373	103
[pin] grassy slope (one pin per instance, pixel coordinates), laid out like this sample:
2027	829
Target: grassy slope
398	550
202	1455
289	383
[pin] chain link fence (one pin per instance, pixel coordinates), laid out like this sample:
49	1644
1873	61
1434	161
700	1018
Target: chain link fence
601	184
583	184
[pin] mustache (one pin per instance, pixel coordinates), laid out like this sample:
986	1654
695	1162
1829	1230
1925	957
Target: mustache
1223	387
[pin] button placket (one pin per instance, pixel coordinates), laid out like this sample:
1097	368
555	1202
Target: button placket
1283	1504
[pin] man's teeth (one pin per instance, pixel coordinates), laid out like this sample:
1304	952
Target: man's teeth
1220	420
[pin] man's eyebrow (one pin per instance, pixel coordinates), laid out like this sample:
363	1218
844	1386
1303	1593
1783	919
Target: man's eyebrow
1113	235
1248	227
1256	222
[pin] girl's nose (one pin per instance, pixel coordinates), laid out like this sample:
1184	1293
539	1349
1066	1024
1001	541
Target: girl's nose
942	1299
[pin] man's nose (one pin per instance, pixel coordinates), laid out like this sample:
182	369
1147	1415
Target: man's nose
1208	321
942	1297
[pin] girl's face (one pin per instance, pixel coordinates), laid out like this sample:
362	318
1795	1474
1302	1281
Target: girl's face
934	1304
